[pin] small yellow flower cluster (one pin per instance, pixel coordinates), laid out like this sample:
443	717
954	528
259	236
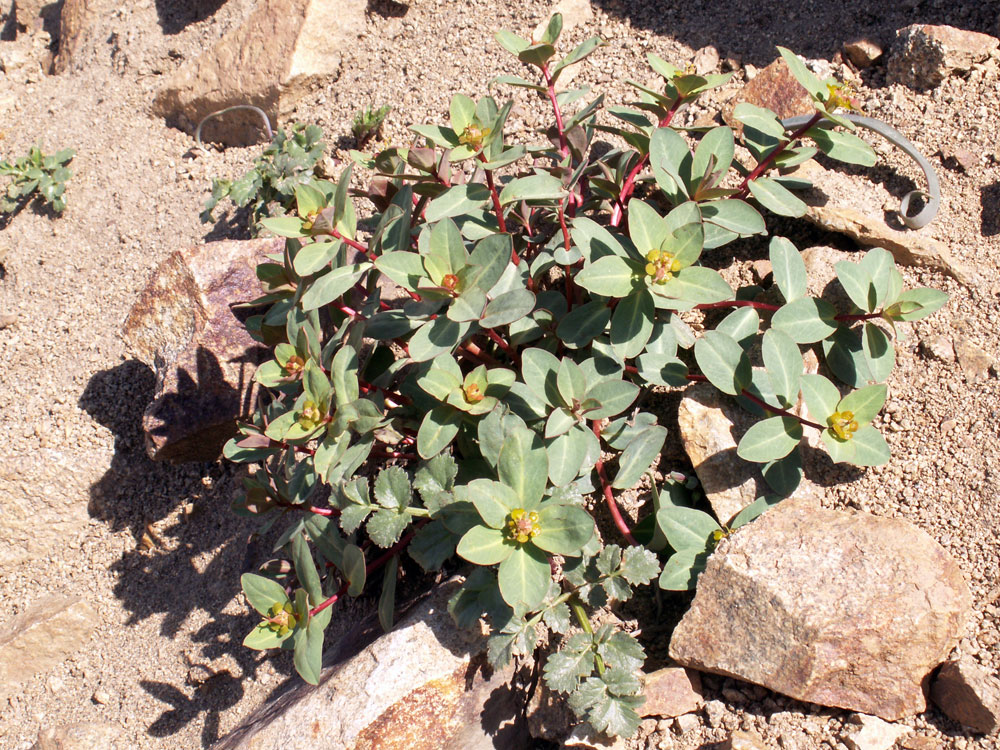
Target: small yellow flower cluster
281	618
843	424
841	95
294	365
473	393
661	265
522	525
450	282
310	416
473	136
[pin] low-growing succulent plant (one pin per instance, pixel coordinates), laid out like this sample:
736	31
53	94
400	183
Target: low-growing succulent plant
467	379
269	188
368	122
37	175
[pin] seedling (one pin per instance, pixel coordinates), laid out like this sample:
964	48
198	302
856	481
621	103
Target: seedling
36	175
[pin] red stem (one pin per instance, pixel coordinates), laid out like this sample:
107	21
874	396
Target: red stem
497	208
618	212
744	187
499	341
763	404
609	497
550	84
737	303
352	243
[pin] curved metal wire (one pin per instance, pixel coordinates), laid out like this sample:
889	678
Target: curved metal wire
251	107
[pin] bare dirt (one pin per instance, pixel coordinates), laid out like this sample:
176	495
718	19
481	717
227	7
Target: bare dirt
156	548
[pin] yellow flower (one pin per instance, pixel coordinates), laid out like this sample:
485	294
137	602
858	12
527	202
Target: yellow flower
843	424
522	525
310	416
281	618
661	265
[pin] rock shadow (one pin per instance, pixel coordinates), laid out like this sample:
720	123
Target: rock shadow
989	200
190	550
816	30
176	15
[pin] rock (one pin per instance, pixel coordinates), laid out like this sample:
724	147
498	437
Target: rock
284	49
574	12
549	716
714	713
671	691
82	736
775	88
184	327
101	697
923	55
939	347
920	742
81	33
706	60
707	421
850	205
862	52
968	694
685	723
743	741
422	686
960	159
34	15
583	738
975	363
41	637
841	609
7	320
872	733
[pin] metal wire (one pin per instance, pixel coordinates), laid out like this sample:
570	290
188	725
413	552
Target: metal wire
252	108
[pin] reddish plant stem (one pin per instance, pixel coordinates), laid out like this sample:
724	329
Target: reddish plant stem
765	165
560	127
763	404
497	208
352	243
618	212
737	303
478	354
499	341
349	311
862	316
370	568
609	497
309	508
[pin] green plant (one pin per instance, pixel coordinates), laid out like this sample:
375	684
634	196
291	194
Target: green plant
36	175
468	381
269	188
368	122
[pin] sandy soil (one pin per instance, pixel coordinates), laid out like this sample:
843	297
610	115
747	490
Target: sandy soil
156	548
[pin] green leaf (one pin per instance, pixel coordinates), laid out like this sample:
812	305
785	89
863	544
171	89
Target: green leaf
438	428
647	229
681	571
742	325
456	200
783	475
524	577
687	528
879	352
865	403
432	545
308	655
332	285
845	147
494	501
565	668
305	569
788	268
482	545
536	54
632	324
770	439
806	320
511	42
695	285
262	638
821	397
262	593
637	457
579	53
508	308
392	488
754	510
845	357
435	337
783	362
870	448
446	253
563	530
523	466
387	600
568	452
723	361
715	152
583	324
609	276
284	226
776	198
404	268
315	256
879	265
539	369
735	215
461	112
536	187
488	259
803	75
354	569
857	283
308	200
915	304
614	396
760	119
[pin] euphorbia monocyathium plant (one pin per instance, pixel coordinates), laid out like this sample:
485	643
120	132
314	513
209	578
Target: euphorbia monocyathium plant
465	377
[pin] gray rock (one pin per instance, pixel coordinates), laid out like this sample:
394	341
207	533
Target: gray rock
423	686
686	722
871	733
939	347
968	694
41	637
184	327
862	52
975	363
835	608
81	736
671	691
923	55
284	49
850	205
743	741
706	60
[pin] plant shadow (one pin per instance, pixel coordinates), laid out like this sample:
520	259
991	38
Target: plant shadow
176	15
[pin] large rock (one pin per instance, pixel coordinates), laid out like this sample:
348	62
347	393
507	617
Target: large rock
41	637
184	327
923	55
871	733
851	205
774	88
968	694
841	609
82	736
284	49
423	686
